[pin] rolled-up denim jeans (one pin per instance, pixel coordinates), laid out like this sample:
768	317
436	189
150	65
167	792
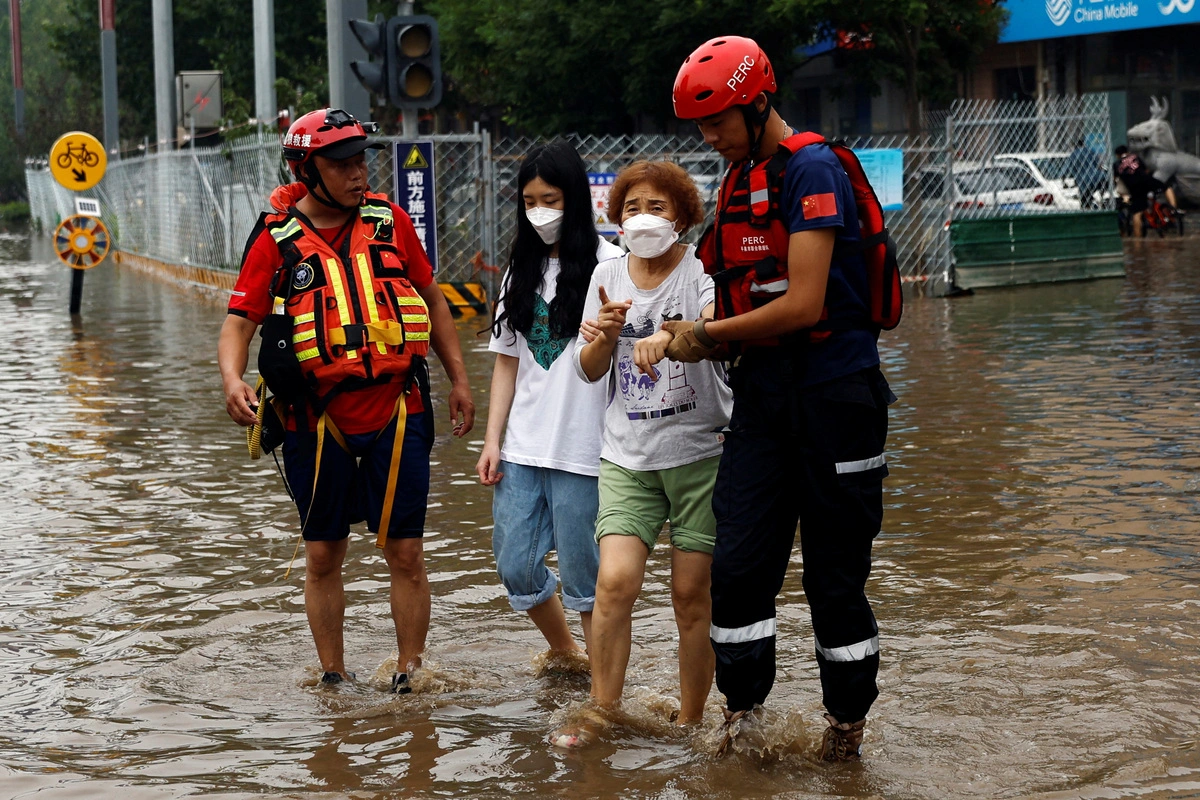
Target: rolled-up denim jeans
536	510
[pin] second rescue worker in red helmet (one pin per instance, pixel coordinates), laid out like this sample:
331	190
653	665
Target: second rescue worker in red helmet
345	294
810	404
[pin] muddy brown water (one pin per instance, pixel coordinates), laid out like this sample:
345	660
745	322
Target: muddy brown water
1036	583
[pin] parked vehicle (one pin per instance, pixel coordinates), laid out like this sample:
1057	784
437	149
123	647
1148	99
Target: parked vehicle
1008	186
1051	170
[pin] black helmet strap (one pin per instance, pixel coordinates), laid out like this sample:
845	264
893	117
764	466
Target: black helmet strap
755	118
306	174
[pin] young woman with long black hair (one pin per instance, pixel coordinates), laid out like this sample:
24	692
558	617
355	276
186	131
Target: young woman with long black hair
550	422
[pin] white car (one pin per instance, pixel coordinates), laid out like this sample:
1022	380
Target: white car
1050	169
980	188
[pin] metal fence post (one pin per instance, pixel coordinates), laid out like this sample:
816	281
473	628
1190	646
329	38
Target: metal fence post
948	200
488	187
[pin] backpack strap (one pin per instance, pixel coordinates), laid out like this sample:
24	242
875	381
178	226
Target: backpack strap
770	175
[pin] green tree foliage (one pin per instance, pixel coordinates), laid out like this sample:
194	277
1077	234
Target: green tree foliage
209	34
600	67
553	66
55	100
921	45
63	92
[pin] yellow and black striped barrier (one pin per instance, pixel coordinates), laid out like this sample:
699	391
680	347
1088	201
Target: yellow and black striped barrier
465	299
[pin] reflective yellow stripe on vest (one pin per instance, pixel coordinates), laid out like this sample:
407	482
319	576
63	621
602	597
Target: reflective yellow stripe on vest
382	214
339	294
420	317
285	231
364	275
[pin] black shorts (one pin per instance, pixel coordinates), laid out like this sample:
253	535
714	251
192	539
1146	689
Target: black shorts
351	486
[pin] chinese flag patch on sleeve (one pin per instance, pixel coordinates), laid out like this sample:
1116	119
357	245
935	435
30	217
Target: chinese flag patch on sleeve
819	205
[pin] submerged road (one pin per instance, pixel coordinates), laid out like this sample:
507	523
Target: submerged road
1037	582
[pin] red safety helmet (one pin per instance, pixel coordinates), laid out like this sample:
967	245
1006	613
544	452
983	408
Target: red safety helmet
330	132
722	72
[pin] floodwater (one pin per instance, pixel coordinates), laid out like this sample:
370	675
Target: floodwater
1036	583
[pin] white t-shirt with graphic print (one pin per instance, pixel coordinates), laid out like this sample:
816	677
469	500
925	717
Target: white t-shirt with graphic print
556	420
679	418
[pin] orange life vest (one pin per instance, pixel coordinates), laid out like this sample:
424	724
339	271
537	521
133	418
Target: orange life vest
356	321
746	249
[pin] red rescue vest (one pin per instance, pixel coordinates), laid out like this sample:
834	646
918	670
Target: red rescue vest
746	250
356	320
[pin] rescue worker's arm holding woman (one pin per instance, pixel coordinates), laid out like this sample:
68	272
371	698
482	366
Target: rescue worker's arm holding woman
809	251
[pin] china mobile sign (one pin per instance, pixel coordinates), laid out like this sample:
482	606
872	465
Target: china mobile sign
1050	19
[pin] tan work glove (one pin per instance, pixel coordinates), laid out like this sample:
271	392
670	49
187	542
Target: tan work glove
691	343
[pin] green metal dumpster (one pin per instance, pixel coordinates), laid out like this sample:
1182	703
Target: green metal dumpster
1035	248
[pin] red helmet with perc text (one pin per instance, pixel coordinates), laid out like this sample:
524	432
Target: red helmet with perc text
721	73
329	132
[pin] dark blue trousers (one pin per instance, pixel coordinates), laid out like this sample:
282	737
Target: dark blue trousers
811	456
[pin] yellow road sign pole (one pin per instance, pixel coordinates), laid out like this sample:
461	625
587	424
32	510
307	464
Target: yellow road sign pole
76	291
81	242
78	161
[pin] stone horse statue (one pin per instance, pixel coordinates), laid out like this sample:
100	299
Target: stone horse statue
1154	141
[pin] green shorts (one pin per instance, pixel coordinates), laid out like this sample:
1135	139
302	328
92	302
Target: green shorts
637	504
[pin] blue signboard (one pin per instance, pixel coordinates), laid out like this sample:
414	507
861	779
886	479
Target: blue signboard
416	193
885	171
600	183
1031	20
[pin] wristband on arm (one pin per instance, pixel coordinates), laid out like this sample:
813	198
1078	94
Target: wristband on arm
703	336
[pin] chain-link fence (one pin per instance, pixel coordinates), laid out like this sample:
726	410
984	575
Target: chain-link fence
197	207
1026	157
463	177
919	225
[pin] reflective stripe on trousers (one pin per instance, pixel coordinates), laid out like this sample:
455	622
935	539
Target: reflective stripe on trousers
825	474
747	633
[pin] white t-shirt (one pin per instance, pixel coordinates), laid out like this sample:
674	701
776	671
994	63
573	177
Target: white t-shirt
679	418
556	420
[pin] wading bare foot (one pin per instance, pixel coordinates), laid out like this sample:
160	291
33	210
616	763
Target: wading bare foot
568	663
583	729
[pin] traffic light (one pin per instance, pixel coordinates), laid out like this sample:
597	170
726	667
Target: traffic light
373	36
414	62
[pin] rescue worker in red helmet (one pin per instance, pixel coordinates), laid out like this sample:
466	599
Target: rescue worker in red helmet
809	419
345	295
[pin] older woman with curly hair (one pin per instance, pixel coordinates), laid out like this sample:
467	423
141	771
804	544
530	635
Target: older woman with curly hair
662	431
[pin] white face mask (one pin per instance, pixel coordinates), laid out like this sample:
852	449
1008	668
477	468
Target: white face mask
546	221
649	236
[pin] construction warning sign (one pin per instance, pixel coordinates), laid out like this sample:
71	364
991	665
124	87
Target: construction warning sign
78	160
416	192
415	159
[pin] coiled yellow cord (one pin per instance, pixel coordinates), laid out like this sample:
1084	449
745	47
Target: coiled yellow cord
254	432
